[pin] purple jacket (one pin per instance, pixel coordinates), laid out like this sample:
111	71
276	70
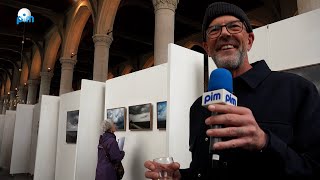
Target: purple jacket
105	169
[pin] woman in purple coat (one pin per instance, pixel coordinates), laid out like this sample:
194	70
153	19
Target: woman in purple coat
108	153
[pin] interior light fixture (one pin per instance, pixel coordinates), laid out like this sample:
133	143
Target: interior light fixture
73	54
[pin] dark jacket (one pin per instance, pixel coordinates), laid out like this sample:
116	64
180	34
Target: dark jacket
105	168
287	108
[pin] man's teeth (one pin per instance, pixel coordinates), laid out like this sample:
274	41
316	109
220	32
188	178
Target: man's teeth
226	47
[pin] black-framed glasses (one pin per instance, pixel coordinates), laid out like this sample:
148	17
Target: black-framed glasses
233	27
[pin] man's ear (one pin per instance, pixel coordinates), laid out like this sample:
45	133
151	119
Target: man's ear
250	40
205	46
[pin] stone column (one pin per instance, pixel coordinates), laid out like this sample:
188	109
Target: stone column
102	44
164	28
307	5
21	94
32	91
12	101
45	83
67	65
1	103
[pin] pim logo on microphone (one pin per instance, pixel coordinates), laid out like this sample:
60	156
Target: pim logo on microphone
212	97
24	15
220	96
231	99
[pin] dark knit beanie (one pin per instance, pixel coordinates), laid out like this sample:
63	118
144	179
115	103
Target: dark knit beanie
218	9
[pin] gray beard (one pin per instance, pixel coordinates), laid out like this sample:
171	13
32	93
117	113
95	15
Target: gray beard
231	62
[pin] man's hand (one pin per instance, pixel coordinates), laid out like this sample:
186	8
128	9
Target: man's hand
153	174
238	124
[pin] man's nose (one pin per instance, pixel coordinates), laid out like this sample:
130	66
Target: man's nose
224	31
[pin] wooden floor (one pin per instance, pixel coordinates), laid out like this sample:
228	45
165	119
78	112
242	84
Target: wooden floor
4	175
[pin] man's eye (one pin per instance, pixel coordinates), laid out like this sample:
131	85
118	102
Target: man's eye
234	25
214	29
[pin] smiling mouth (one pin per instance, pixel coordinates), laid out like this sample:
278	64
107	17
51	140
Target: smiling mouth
226	47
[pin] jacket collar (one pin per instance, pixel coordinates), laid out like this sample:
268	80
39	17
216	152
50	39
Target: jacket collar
256	74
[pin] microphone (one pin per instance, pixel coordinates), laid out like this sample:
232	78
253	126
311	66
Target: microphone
220	90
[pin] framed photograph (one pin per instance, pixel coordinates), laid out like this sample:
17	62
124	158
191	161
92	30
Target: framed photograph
118	116
140	117
161	114
72	126
311	73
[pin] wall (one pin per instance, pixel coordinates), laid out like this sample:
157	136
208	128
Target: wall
186	84
1	128
290	43
145	86
34	137
45	160
7	139
90	116
22	139
66	153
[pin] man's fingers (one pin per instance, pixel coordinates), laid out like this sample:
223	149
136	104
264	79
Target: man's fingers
175	166
151	175
234	143
225	119
227	132
149	165
229	109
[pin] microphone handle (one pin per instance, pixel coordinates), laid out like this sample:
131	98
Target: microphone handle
213	140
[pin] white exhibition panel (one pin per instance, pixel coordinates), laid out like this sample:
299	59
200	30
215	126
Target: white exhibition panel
91	113
66	153
260	48
45	161
34	137
7	139
22	139
141	87
186	84
1	128
290	43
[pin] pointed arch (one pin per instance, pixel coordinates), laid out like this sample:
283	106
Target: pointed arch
127	69
148	63
35	65
51	50
106	16
24	74
77	22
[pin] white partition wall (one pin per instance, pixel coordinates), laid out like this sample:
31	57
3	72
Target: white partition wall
91	113
145	86
7	139
66	153
34	137
186	84
22	139
45	160
289	43
1	129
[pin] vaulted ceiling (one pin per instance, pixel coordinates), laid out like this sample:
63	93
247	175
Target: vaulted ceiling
133	31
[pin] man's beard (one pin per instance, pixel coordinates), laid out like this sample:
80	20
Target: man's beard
230	62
